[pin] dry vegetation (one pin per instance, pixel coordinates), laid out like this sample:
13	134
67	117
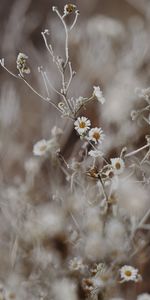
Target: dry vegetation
74	151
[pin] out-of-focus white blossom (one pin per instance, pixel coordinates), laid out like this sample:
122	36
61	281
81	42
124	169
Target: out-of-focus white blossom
98	94
144	296
40	148
65	289
118	165
82	125
43	147
96	135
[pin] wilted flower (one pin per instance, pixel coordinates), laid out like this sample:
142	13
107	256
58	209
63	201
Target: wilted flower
118	165
98	94
21	64
69	8
82	124
129	273
96	135
144	296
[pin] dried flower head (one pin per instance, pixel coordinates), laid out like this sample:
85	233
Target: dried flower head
69	8
82	125
129	273
96	135
117	165
21	64
41	148
98	94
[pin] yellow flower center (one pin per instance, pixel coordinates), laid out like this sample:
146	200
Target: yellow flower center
117	165
43	148
128	273
96	136
82	124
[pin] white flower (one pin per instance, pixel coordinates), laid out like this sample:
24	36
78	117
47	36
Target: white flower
98	94
82	124
40	148
96	135
144	296
118	165
21	64
95	153
129	273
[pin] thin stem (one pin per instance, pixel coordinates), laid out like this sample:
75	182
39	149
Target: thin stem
45	99
145	157
103	188
144	218
75	20
66	39
3	66
87	101
51	86
71	76
46	44
45	83
137	151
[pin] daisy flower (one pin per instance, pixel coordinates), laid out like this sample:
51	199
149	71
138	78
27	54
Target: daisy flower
98	94
82	124
96	135
117	165
144	296
40	148
129	273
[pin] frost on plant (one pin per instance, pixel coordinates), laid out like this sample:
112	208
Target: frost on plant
75	206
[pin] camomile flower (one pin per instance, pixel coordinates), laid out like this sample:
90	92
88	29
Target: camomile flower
143	296
40	148
129	273
98	94
96	135
82	125
117	165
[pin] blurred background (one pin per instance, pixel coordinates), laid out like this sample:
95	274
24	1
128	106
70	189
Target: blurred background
109	47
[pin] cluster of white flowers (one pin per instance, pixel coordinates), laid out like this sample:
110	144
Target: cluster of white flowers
95	135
